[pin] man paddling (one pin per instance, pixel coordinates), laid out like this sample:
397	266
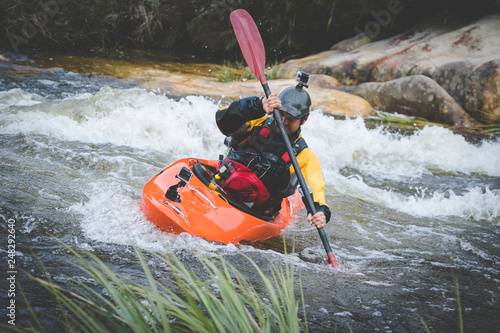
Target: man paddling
257	169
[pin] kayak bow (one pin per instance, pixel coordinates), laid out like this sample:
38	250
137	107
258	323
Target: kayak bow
178	200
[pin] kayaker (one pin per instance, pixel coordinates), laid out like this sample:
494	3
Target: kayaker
257	169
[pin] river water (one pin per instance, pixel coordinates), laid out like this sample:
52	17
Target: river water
410	209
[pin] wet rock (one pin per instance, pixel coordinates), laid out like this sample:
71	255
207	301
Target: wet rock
351	43
338	103
476	89
323	81
415	95
11	70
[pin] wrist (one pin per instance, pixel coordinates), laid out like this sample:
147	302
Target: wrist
325	209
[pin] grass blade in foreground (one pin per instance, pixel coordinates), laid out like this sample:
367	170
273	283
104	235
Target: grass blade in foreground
216	299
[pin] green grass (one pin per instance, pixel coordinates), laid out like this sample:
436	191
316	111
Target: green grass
413	123
456	292
217	298
238	72
402	122
490	129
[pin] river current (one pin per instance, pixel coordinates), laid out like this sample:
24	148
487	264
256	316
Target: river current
410	209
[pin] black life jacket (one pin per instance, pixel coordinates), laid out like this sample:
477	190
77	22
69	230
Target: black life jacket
263	151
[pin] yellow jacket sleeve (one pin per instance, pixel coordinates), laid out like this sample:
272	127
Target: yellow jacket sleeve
311	170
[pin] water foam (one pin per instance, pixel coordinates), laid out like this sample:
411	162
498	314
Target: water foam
131	117
382	155
142	119
349	143
186	127
18	97
113	216
476	204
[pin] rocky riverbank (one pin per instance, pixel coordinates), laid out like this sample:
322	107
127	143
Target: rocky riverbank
447	76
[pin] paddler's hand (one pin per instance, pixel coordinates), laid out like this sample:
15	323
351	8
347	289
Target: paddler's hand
318	220
271	103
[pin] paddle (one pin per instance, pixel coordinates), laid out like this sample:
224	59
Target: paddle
252	47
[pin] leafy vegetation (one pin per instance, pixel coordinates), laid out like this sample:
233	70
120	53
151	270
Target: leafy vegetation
202	27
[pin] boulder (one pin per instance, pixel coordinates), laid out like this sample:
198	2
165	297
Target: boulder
417	96
351	43
476	89
323	81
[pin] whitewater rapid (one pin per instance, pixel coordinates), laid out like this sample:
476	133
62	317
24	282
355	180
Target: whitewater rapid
357	161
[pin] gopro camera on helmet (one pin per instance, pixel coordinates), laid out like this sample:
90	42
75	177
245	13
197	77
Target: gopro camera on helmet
303	79
295	100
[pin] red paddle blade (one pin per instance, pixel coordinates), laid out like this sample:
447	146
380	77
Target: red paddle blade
250	41
332	261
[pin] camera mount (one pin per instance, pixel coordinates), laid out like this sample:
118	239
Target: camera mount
303	79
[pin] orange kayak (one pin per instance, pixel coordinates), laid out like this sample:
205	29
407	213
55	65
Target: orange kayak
179	199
